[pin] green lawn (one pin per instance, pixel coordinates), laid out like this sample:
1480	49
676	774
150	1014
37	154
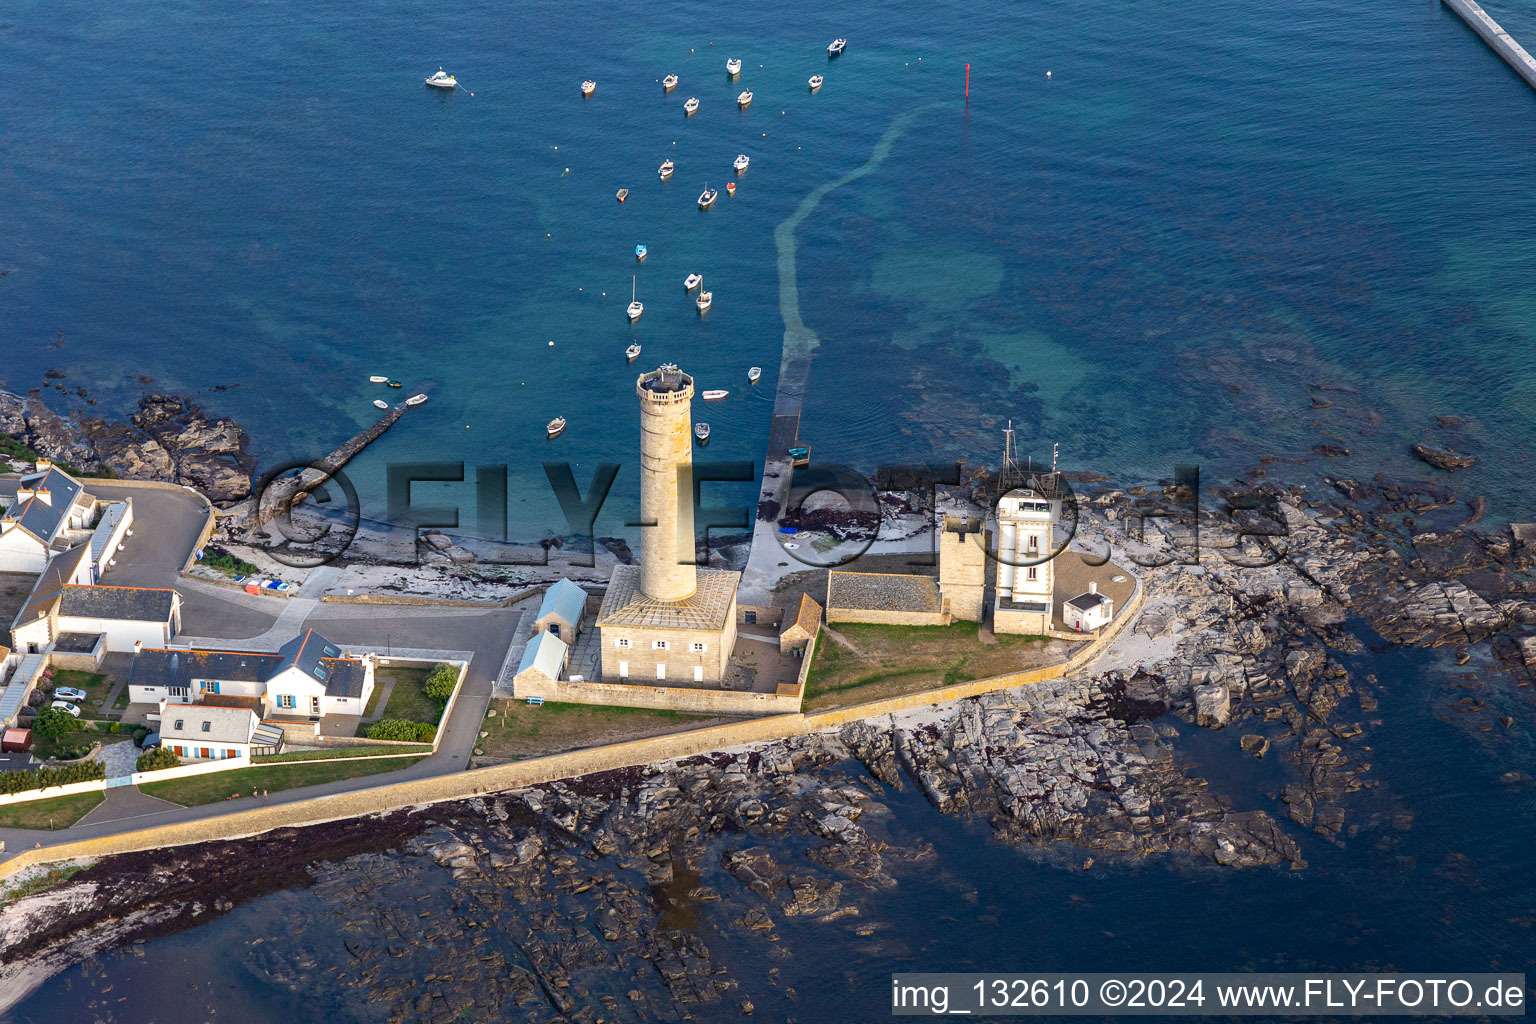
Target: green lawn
79	741
94	684
518	729
406	701
54	812
211	788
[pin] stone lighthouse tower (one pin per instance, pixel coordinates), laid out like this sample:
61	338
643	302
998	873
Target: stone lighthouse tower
667	563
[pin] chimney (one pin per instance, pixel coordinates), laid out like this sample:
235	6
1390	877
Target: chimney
1093	588
138	645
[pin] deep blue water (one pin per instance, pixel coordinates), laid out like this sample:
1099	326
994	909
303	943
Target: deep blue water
1152	257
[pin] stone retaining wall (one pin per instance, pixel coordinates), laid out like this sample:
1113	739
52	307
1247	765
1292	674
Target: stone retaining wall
535	771
407	599
659	698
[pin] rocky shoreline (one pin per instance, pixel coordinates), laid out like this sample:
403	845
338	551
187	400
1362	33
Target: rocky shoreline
169	438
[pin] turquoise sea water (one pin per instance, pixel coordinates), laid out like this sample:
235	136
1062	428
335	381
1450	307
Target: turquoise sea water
1152	257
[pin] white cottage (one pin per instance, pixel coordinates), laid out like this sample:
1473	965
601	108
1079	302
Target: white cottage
197	732
50	505
1087	612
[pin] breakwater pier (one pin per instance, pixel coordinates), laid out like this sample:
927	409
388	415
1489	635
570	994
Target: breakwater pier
1498	40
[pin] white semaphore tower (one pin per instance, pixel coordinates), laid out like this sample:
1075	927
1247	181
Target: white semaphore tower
1027	515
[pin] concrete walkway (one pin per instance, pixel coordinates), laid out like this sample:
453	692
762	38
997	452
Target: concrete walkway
123	804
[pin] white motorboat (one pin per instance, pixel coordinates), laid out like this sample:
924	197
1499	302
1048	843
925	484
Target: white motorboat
691	106
715	395
707	198
378	379
555	426
815	82
705	299
588	87
635	307
443	80
742	160
701	431
665	170
633	352
755	374
836	47
415	400
379	403
692	281
745	99
669	83
733	66
622	194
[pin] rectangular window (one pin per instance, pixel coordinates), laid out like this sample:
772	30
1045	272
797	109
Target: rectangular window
622	641
212	686
207	727
1034	573
698	648
660	645
314	705
1034	542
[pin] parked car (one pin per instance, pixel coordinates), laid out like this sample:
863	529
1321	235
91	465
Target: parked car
151	741
66	707
277	585
69	693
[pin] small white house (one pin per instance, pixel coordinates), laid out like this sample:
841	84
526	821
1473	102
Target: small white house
308	677
562	611
198	732
63	600
544	661
1086	613
50	505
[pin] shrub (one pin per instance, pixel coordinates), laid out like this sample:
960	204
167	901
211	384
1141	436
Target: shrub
223	561
139	733
116	727
42	778
439	685
401	729
154	760
51	723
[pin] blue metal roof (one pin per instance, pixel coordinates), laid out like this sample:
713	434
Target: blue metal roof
565	599
546	652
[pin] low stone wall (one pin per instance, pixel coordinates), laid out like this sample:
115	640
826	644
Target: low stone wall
407	599
77	661
766	614
888	618
660	698
536	771
181	771
68	789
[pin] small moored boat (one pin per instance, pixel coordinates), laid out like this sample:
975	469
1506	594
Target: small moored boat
692	281
555	426
745	99
633	352
394	384
815	82
635	307
730	187
378	379
588	87
733	66
705	299
836	47
707	198
742	160
623	194
701	431
415	400
691	106
379	403
755	374
665	170
443	80
640	252
669	83
715	395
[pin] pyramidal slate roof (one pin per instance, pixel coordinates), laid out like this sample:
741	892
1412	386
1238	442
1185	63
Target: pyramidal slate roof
709	607
315	656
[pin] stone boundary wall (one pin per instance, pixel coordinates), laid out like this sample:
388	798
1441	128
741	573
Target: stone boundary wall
223	764
659	698
427	663
882	616
68	789
407	599
539	770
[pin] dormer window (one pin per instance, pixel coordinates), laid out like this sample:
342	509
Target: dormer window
207	727
179	723
319	672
